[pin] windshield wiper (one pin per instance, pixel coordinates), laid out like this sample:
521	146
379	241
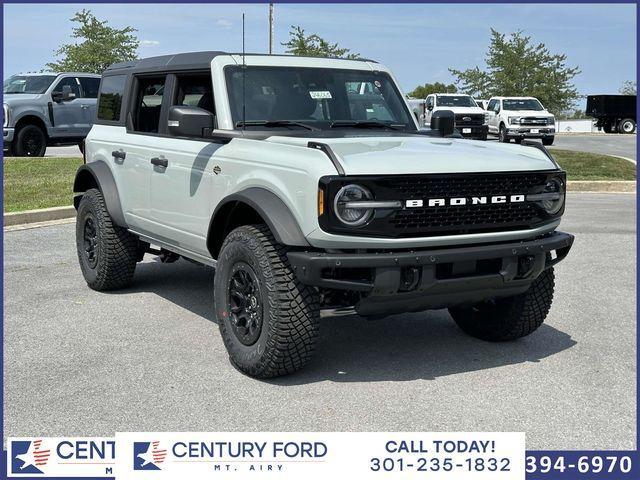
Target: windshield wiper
274	123
366	124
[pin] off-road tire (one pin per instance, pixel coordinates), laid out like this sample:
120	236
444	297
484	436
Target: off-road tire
116	250
290	310
510	318
547	141
502	134
29	141
607	127
627	126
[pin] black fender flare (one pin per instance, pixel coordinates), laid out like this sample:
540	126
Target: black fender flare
98	174
271	209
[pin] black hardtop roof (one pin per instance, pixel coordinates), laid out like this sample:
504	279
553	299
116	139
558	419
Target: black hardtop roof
180	61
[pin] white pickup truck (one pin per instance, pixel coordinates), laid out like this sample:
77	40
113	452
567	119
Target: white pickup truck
470	119
518	118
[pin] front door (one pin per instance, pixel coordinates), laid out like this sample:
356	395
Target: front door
182	193
493	120
68	115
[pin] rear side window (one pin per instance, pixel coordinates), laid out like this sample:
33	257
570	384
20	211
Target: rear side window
110	101
90	87
146	116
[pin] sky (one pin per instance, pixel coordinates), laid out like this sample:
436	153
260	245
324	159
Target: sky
418	42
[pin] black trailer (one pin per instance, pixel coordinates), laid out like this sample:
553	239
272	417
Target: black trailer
615	113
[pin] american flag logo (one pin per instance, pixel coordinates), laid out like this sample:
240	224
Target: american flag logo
148	455
29	456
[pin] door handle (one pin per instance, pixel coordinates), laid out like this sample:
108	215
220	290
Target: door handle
119	154
160	162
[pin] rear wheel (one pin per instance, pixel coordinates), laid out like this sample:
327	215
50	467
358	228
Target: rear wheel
548	141
30	141
627	125
510	318
268	320
107	253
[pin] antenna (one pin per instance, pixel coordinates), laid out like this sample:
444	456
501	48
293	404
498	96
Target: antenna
244	67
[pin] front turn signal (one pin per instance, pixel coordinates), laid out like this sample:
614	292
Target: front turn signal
320	202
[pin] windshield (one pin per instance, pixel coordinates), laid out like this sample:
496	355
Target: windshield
315	98
27	83
522	104
456	101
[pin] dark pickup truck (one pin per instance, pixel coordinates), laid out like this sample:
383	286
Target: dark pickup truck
615	113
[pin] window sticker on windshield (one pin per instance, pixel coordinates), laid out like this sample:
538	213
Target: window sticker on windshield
320	94
377	83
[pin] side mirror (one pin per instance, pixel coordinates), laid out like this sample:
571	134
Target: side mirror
65	95
187	121
444	122
429	107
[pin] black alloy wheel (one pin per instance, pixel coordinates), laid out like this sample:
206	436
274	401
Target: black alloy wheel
245	304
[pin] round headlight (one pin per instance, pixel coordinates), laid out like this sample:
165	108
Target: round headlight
553	196
352	215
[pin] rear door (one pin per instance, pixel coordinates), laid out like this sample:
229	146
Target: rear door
89	100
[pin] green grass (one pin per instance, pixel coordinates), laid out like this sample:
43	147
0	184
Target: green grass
31	183
593	166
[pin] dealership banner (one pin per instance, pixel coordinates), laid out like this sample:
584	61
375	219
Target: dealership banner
230	455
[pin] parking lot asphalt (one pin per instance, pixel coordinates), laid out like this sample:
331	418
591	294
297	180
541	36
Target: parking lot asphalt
150	358
608	144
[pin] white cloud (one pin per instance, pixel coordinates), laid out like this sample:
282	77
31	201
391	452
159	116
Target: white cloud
149	43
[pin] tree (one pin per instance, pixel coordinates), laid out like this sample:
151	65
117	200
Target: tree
629	88
516	67
421	91
98	46
314	46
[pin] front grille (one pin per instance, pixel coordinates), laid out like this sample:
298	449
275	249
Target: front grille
465	218
469	119
533	121
425	221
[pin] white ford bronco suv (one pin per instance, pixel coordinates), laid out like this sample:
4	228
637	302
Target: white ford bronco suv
518	118
307	192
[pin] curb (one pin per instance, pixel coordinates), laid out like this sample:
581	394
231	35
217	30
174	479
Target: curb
604	186
59	213
35	216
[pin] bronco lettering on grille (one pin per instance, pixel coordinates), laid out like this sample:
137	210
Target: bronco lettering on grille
456	201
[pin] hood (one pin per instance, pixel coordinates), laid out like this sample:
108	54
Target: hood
20	97
421	154
527	113
462	109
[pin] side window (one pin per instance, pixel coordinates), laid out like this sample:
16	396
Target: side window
195	91
90	87
146	113
71	82
430	101
492	105
110	101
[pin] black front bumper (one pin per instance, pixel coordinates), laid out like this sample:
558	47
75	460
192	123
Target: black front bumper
433	278
474	131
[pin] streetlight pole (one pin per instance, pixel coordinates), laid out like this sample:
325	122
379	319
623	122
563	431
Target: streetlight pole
271	29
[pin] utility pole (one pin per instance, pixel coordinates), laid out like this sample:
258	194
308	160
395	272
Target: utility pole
271	29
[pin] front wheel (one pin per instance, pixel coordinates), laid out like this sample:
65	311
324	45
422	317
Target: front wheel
502	135
628	125
30	141
510	318
268	320
107	253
